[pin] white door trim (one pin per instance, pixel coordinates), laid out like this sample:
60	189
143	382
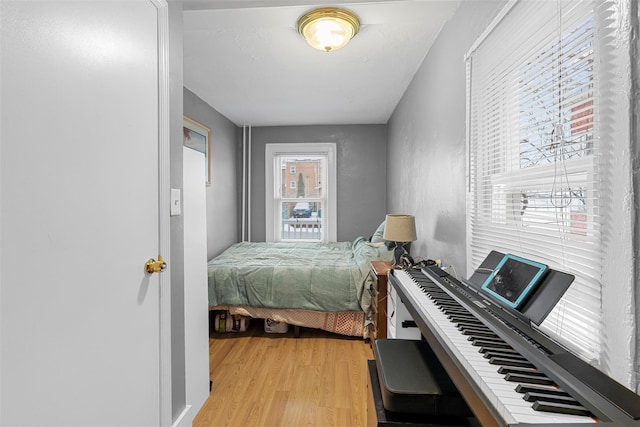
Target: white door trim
163	211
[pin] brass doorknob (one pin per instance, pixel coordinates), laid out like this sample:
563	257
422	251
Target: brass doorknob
153	266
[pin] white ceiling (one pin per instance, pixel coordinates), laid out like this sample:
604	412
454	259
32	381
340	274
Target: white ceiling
246	59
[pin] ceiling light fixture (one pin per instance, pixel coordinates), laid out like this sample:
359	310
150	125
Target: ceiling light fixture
328	28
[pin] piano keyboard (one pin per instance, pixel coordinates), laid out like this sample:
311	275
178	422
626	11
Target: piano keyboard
514	387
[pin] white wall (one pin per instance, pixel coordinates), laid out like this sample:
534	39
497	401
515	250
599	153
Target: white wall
196	316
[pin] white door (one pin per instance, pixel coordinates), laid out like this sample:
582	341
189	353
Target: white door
79	210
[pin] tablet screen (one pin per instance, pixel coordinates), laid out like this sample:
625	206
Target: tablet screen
513	279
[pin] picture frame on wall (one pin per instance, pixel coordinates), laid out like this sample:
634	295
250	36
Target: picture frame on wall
198	137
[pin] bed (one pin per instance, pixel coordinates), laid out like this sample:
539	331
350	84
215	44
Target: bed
310	284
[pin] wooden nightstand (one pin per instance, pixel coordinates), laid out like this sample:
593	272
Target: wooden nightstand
379	272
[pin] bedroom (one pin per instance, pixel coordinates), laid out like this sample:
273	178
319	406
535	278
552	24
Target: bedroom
431	129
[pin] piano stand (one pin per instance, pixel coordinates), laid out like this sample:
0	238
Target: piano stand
409	387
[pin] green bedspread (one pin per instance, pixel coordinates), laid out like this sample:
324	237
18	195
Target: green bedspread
329	277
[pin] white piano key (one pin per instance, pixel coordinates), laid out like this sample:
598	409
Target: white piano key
500	393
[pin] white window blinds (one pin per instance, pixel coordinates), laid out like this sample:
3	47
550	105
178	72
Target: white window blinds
535	167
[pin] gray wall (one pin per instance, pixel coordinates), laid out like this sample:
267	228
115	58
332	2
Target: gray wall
362	176
635	135
222	208
426	152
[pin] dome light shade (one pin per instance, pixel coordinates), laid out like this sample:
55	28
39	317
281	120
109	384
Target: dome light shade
328	28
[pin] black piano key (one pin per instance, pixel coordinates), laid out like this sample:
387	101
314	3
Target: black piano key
479	337
489	348
503	361
490	344
454	318
561	408
479	328
457	313
473	327
443	299
527	379
467	324
451	304
518	370
493	340
463	318
454	311
539	388
506	354
478	333
457	310
535	397
439	296
501	352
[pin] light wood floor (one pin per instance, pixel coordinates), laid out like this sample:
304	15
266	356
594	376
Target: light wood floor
270	380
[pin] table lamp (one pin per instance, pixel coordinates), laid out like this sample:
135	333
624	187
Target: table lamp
400	229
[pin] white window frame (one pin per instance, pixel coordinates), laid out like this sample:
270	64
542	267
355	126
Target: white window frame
273	216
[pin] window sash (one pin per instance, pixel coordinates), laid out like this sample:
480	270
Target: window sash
290	228
275	198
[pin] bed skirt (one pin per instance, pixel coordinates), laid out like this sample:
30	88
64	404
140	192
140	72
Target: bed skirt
351	323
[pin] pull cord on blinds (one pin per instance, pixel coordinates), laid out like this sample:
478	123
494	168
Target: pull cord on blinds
535	142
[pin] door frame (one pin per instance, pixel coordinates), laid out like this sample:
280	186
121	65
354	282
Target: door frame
165	403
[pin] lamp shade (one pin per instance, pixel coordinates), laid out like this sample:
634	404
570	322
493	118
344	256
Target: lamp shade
400	228
328	28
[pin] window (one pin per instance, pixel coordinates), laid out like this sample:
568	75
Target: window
302	207
535	149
